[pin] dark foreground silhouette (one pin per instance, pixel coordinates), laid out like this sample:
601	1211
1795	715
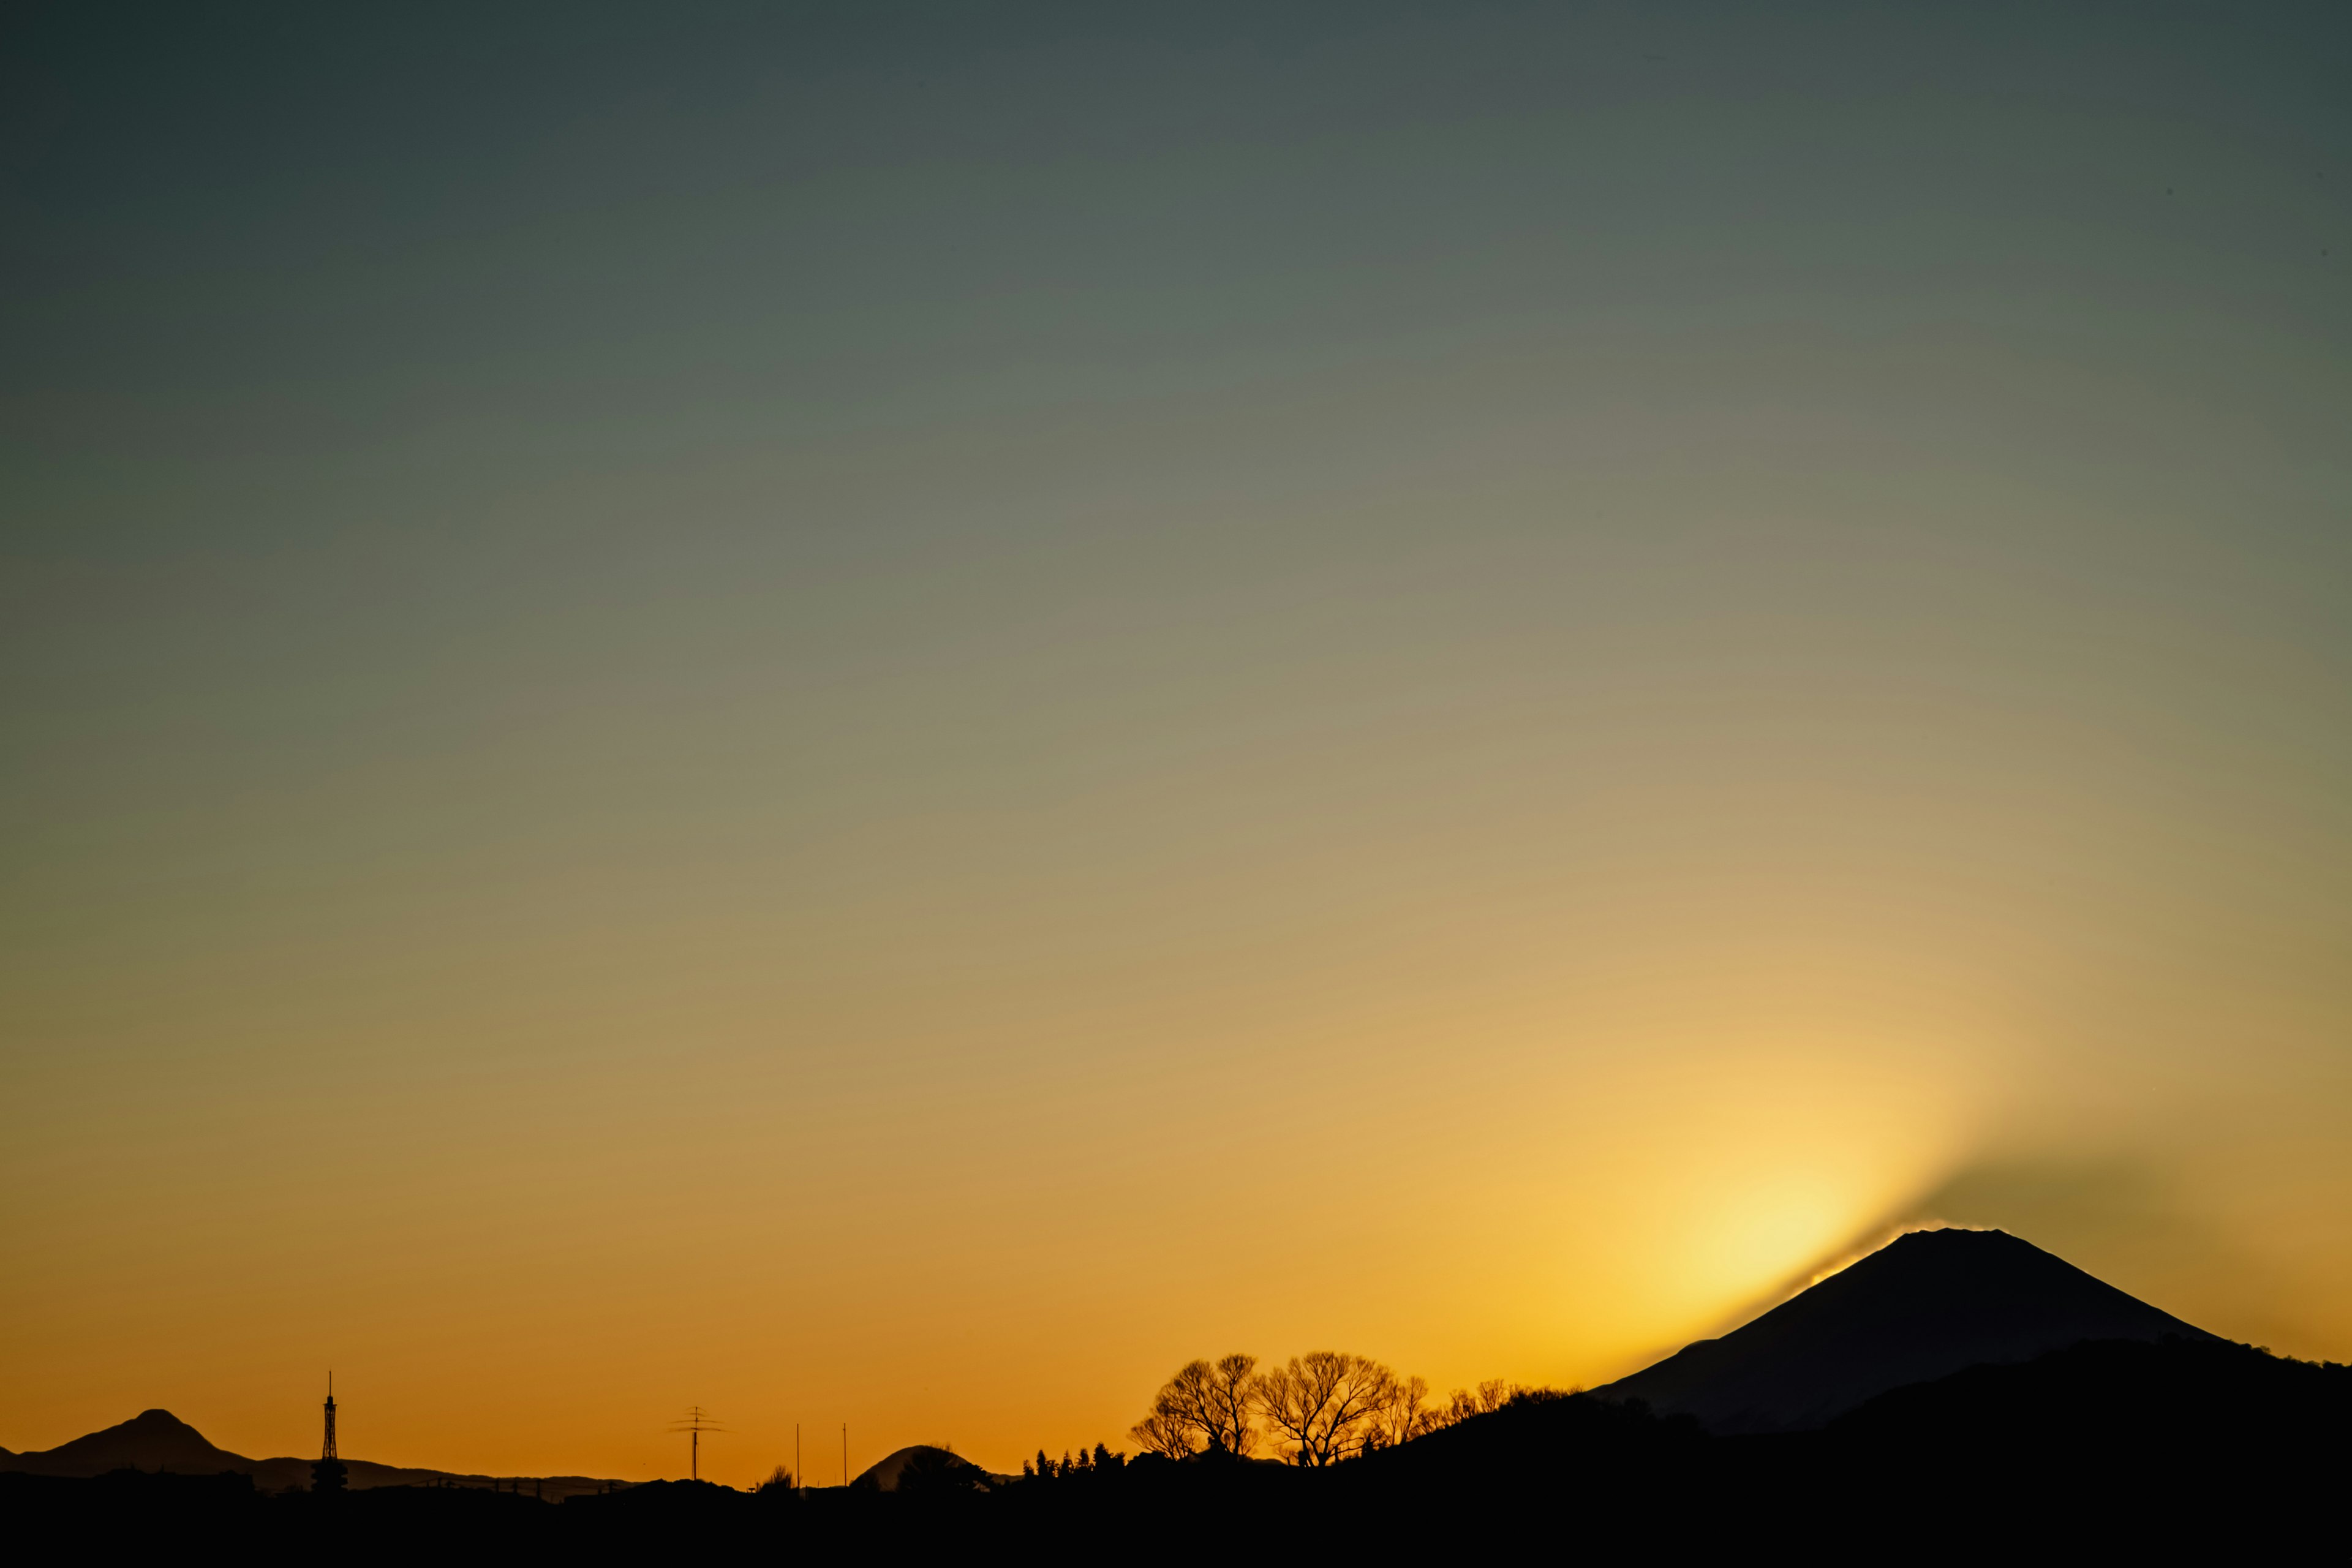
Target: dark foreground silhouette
2098	1446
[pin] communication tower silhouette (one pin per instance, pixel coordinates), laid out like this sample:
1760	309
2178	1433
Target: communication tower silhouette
328	1474
695	1423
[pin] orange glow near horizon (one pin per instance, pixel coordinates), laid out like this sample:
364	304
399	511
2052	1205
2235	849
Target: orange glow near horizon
541	1316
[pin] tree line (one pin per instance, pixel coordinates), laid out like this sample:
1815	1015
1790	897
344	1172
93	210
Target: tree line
1313	1410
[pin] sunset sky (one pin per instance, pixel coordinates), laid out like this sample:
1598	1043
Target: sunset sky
892	714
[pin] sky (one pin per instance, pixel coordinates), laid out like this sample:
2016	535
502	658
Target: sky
889	715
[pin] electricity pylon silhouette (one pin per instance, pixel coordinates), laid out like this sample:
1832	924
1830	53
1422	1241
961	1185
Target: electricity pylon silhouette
695	1423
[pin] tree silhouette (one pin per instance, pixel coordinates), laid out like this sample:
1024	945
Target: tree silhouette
1207	1405
937	1472
1324	1406
1162	1435
1405	1415
1484	1400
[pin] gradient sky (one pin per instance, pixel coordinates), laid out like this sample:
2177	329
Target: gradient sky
894	714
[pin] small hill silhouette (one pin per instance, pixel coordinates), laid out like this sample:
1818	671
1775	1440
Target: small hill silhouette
894	1471
1921	1308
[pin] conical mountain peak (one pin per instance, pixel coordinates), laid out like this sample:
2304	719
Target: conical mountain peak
1923	1307
151	1440
157	1420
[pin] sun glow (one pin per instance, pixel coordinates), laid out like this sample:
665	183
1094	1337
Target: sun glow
1767	1228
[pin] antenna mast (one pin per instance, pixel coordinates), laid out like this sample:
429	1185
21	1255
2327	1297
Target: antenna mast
694	1424
330	1473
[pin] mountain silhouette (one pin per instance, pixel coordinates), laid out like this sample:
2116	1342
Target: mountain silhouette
151	1440
157	1440
1922	1308
894	1471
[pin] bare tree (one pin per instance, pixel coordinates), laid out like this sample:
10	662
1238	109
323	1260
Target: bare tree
1484	1400
1405	1417
1164	1434
1205	1405
1323	1405
1226	1405
1179	1421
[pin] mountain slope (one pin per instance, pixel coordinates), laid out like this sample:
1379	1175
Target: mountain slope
1921	1308
151	1440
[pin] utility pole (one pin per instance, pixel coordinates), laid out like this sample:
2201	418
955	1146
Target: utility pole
799	1477
694	1424
844	1456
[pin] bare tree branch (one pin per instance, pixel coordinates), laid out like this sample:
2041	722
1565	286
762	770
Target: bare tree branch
1488	1398
1405	1417
1158	1434
1205	1405
1227	1405
1321	1406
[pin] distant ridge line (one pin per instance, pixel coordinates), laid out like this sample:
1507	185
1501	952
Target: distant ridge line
158	1440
